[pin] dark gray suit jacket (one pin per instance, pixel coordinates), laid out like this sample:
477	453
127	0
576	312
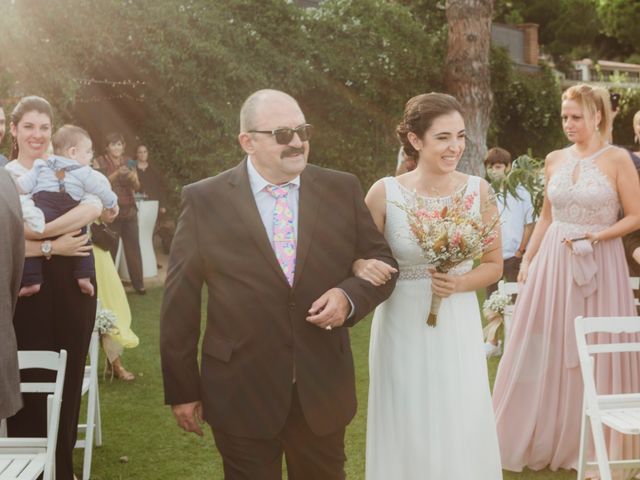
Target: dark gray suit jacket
11	263
256	334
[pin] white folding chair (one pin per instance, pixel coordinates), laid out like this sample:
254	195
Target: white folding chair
27	458
621	412
90	432
507	288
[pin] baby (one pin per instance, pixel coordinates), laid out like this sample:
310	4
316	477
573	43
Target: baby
57	185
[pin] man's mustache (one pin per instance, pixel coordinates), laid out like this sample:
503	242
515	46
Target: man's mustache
292	151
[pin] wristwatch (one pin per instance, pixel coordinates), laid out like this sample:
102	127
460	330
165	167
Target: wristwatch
45	248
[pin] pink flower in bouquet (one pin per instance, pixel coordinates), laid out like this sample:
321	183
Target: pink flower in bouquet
449	235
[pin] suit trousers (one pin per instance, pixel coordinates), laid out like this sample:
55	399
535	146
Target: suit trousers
59	317
308	456
127	229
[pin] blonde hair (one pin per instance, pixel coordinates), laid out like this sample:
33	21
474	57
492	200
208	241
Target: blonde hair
636	120
592	99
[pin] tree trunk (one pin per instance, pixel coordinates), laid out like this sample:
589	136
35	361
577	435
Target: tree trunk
467	76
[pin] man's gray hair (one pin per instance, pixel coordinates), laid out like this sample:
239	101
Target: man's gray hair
249	110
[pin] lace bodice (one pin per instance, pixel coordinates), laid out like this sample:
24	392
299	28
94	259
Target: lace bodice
590	204
411	263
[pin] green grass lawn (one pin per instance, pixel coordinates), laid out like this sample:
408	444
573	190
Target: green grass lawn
142	441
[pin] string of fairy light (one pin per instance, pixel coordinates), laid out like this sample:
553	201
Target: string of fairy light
111	83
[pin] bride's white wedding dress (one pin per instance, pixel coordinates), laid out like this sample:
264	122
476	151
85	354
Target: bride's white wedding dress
429	414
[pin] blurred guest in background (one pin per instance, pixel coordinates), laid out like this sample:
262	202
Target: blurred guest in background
113	301
122	174
632	241
516	215
516	220
154	187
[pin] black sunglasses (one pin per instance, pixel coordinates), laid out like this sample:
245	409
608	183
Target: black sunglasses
285	135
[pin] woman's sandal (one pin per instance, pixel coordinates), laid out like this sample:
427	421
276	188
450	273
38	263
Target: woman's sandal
115	369
122	373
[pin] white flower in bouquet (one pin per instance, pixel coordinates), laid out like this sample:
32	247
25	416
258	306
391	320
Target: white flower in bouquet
105	320
493	309
495	304
448	235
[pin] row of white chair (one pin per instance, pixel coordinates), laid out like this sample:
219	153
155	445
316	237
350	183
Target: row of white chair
28	458
90	432
620	412
511	288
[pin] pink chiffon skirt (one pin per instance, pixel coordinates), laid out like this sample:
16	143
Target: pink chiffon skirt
538	391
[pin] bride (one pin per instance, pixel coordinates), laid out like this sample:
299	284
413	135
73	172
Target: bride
429	412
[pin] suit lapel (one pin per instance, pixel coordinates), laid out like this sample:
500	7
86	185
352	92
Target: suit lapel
307	215
242	199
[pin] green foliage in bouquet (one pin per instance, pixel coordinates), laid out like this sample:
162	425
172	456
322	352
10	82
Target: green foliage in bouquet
528	172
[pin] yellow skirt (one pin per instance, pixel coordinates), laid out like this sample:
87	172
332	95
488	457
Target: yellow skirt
112	297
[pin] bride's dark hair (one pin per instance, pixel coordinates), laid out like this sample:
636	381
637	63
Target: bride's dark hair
419	114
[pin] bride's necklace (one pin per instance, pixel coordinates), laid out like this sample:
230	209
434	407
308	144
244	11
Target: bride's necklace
443	191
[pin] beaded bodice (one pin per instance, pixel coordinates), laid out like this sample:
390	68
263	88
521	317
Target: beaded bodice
589	204
411	263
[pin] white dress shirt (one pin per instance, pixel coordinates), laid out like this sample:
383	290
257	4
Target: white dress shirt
267	202
515	213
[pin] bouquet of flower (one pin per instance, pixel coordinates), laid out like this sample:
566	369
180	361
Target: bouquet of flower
448	235
493	309
106	321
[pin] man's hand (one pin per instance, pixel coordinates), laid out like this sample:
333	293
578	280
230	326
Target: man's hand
636	255
330	310
189	416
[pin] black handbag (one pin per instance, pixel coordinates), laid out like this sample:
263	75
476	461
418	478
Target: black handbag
102	236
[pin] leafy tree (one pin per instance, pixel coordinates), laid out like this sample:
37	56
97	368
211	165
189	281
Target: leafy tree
175	73
363	80
620	20
572	29
526	113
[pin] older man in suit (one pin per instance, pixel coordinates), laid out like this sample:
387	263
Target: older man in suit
12	260
274	240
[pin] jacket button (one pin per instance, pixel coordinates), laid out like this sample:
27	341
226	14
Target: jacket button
292	305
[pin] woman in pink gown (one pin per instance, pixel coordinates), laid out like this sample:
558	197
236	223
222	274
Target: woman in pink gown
538	390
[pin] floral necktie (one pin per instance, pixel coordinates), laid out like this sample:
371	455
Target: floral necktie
284	241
